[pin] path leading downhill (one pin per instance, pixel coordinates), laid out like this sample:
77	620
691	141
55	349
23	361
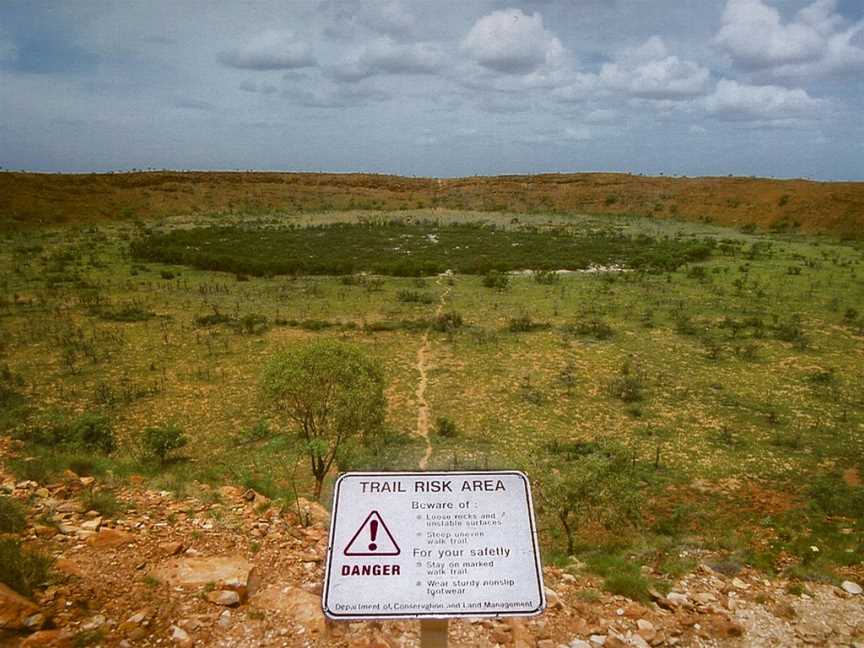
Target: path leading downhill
423	382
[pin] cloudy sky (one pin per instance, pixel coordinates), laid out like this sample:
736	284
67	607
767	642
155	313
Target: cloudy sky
435	87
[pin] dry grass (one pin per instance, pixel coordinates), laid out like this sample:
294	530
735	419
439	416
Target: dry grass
814	207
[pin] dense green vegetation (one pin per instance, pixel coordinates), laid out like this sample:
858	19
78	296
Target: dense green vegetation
404	249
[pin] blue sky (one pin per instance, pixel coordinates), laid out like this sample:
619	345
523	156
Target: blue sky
435	88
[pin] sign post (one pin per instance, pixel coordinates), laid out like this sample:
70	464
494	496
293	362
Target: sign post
433	633
432	546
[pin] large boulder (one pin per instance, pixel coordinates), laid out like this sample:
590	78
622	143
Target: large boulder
230	572
15	609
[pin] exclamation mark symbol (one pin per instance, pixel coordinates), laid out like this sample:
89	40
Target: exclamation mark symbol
373	530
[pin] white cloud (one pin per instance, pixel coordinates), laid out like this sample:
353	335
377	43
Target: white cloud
579	87
650	72
817	42
736	101
350	20
512	42
270	50
388	17
384	56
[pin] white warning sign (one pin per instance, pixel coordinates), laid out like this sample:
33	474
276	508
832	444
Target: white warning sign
439	545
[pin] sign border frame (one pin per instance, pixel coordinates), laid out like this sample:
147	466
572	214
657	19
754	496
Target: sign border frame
538	563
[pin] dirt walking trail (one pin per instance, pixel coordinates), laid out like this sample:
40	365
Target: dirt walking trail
422	367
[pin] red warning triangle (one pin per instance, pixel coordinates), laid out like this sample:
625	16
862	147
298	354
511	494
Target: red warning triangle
373	538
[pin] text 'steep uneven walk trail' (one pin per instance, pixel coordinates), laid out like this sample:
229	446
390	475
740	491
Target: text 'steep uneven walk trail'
422	366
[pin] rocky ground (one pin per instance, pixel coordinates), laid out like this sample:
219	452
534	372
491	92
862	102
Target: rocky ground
229	569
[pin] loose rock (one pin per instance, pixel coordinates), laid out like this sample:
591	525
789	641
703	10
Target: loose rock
302	607
851	588
110	539
194	572
179	635
227	598
14	609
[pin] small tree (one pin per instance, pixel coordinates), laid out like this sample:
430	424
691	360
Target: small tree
589	483
161	440
331	391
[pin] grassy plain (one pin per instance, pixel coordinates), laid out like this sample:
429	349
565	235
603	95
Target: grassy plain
733	384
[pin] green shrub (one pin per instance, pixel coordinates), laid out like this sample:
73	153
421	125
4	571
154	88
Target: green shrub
822	376
94	432
621	575
525	324
685	326
627	388
446	427
12	518
591	596
35	469
495	279
104	502
258	432
414	297
788	440
594	327
633	585
21	569
567	376
315	324
10	383
833	496
405	325
251	324
160	441
791	330
447	322
212	319
13	405
546	277
90	432
697	272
